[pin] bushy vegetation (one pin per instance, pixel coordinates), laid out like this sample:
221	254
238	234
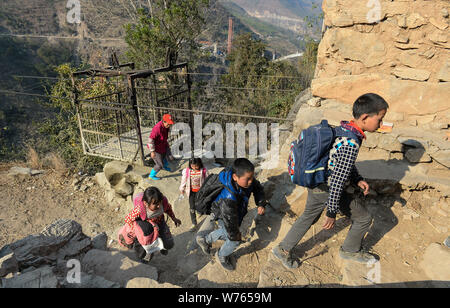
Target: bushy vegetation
166	32
62	134
164	35
18	113
274	84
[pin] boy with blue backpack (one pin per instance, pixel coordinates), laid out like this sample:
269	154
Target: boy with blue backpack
323	160
225	197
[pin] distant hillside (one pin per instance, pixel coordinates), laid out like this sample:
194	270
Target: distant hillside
287	14
278	39
288	8
104	19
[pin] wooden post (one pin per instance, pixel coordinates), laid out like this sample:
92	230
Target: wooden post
118	127
230	35
156	112
77	107
189	102
133	101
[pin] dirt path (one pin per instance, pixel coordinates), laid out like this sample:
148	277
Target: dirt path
28	204
400	234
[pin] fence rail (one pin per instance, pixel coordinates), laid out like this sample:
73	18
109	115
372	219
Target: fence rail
116	125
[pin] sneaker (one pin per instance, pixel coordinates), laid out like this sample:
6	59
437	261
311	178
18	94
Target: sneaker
206	247
285	257
152	175
360	256
166	166
225	262
147	258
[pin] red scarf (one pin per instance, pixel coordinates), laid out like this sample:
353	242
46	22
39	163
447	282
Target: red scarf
353	127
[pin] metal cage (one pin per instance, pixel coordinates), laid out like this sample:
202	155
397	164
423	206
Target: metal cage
117	121
116	124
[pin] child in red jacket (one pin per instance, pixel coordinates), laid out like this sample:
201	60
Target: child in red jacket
159	146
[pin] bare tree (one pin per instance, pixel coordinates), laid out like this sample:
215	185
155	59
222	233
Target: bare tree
132	7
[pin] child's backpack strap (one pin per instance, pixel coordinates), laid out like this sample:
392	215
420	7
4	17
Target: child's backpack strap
341	132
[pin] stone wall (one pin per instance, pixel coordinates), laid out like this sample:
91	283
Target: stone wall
398	49
414	154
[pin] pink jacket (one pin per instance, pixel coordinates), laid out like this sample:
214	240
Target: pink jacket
186	180
139	210
129	233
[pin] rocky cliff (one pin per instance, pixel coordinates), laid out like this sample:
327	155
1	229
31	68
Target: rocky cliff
398	49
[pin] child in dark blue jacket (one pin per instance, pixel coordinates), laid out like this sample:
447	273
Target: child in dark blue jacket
229	209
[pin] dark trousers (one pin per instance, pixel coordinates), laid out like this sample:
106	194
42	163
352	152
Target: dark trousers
315	204
147	228
192	207
159	161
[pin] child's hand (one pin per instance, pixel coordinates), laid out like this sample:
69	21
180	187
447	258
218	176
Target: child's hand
364	186
261	210
177	222
329	223
239	237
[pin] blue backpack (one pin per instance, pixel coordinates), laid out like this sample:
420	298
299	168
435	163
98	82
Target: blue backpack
309	154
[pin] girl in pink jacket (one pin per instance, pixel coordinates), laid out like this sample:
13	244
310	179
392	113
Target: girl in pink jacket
191	181
145	224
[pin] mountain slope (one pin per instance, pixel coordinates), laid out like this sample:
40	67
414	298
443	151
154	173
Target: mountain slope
279	39
294	15
288	8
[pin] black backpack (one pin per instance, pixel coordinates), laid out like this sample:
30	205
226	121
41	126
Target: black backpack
209	191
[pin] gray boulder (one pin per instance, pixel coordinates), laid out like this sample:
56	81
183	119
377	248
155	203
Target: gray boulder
39	278
91	281
15	171
39	249
114	266
114	171
8	262
147	283
100	241
123	188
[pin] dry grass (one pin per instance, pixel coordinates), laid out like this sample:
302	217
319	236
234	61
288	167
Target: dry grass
56	163
33	159
51	161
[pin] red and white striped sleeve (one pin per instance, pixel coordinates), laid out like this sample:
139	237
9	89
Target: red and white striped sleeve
131	217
